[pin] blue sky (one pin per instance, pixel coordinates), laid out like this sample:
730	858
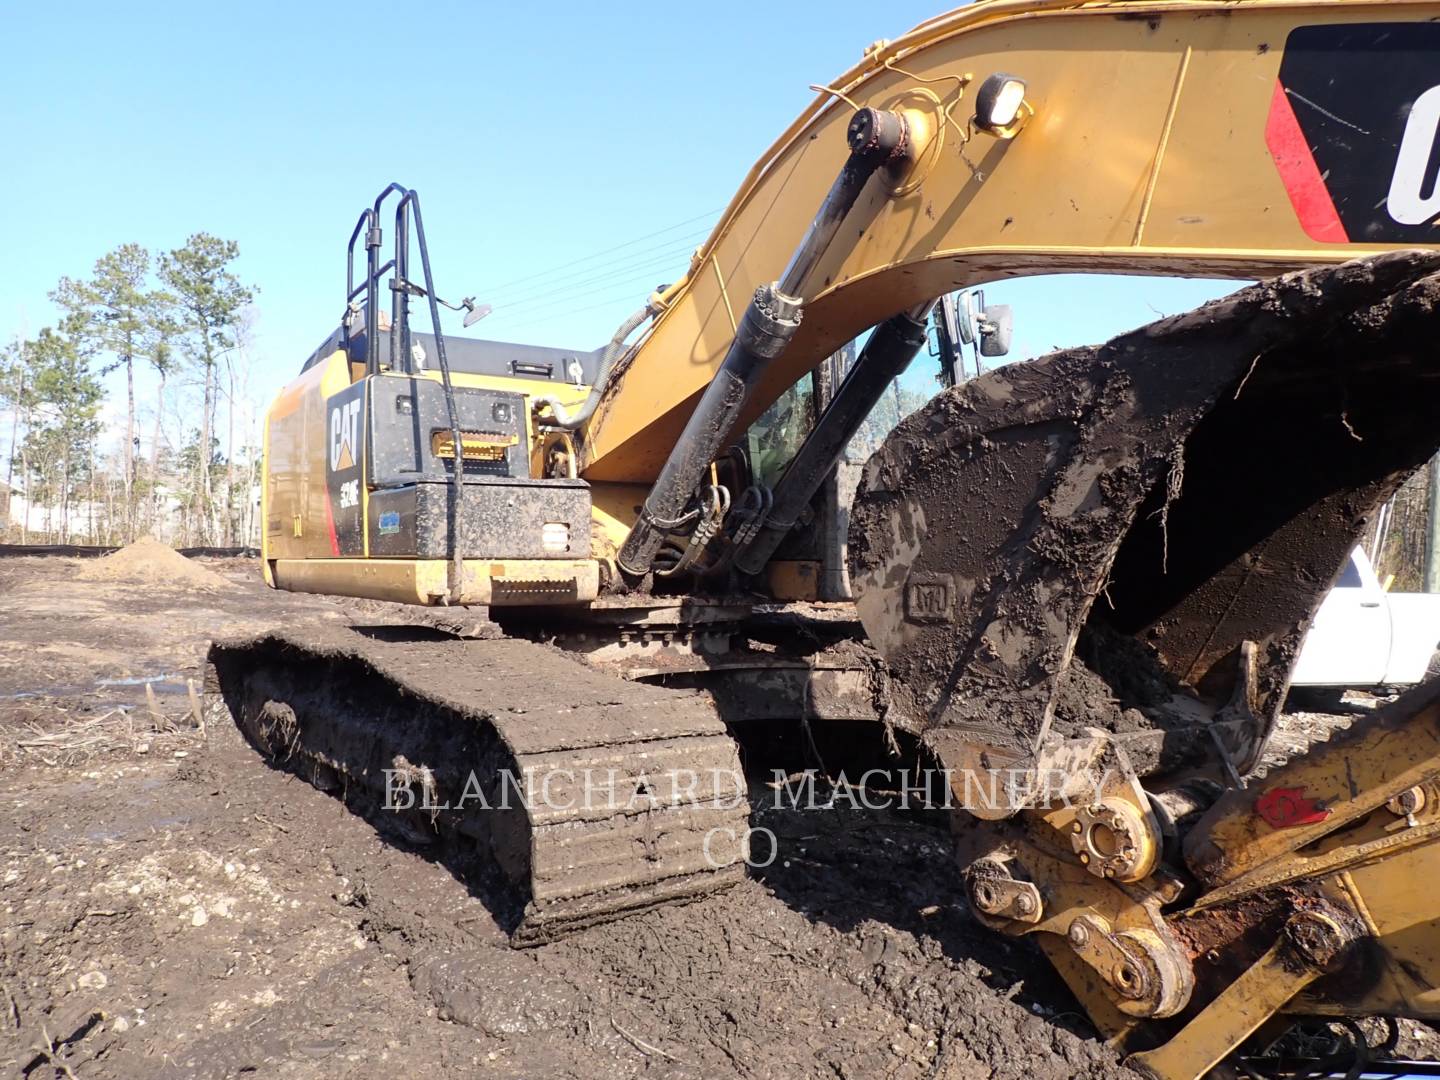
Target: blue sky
536	135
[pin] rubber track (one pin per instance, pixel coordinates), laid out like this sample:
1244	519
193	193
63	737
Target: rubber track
501	740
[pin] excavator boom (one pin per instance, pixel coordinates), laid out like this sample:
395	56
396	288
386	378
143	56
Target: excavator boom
1186	137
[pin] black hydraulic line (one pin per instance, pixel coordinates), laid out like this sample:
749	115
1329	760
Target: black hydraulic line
876	138
888	353
952	355
566	421
765	329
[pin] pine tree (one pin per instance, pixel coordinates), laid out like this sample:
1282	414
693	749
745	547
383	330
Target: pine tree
208	299
115	314
16	389
59	441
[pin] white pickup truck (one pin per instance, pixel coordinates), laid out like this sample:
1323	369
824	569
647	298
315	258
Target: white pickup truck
1364	637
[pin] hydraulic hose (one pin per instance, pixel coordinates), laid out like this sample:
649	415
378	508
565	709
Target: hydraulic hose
888	353
876	138
567	421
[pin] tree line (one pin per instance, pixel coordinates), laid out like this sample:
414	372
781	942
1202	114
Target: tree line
176	320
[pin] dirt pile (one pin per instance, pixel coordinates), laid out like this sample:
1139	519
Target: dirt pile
149	562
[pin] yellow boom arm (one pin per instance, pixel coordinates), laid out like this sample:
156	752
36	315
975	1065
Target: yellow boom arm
1180	137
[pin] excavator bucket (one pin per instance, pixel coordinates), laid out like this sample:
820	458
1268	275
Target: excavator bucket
1137	534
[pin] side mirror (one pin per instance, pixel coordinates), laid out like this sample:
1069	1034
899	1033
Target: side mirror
996	325
987	326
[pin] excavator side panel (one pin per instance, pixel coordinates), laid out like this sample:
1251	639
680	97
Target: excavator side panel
356	497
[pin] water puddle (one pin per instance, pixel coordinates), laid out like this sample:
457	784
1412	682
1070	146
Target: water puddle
168	683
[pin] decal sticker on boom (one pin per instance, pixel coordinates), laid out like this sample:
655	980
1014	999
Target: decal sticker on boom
1353	129
1285	808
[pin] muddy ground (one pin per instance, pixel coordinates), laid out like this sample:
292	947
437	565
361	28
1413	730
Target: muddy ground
170	906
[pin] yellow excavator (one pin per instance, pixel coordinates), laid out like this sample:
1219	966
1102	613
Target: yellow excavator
1079	583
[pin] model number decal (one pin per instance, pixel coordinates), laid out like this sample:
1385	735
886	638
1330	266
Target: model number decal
342	450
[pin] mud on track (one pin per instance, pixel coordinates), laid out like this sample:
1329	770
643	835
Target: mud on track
207	916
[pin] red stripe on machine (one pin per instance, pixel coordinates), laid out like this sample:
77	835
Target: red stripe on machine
1308	194
1285	808
330	525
